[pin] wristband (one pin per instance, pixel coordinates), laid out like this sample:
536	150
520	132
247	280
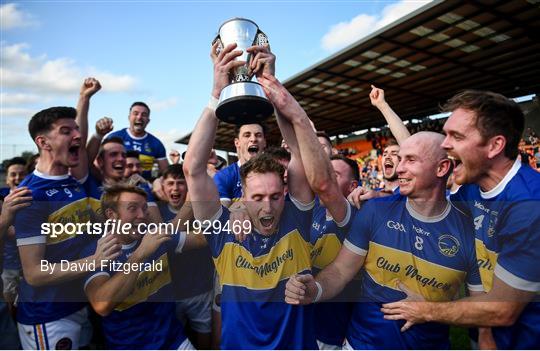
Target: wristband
212	103
319	292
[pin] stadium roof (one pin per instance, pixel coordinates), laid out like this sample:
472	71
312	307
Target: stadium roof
420	61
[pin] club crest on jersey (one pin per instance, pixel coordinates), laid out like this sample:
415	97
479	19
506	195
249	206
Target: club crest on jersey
448	245
492	223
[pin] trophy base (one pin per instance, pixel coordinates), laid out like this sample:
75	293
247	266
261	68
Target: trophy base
243	103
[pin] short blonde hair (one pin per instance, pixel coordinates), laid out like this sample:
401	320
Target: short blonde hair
112	193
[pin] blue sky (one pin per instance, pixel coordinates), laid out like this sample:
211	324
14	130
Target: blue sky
154	51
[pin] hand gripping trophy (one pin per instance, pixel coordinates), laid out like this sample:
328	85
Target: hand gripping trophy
242	101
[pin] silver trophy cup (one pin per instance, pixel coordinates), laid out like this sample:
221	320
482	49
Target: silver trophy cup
242	101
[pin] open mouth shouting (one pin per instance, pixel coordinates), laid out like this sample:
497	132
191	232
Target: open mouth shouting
267	222
138	125
73	150
388	167
118	167
253	150
458	165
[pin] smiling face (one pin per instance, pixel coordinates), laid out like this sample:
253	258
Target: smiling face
422	165
264	199
250	142
14	175
112	161
466	146
133	166
390	162
139	116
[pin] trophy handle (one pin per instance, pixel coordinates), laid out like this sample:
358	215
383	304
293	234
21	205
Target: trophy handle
261	39
219	48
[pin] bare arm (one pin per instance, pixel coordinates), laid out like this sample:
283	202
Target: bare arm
103	126
287	110
333	278
162	165
89	88
203	191
105	293
398	129
33	256
14	201
499	307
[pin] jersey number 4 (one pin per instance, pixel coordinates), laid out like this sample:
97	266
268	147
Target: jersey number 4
478	222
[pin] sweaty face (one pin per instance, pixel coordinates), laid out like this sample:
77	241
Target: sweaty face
264	199
15	174
133	166
250	142
390	162
417	172
113	161
64	142
344	177
138	120
466	146
175	190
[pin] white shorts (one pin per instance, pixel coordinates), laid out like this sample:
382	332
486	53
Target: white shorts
196	310
324	346
62	334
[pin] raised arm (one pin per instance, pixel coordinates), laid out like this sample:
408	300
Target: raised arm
89	87
202	189
104	125
398	129
297	131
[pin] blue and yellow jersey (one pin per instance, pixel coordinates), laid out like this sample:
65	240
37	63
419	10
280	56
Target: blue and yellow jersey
149	147
253	275
507	229
192	271
432	256
146	318
229	183
55	199
11	259
331	317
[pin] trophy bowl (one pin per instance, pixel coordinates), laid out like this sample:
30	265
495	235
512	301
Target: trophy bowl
242	101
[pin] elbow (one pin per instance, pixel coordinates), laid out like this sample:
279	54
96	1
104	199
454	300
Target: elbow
320	185
102	308
187	167
506	317
34	279
193	168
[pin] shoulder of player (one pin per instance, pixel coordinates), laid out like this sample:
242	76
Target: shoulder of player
525	185
227	172
118	133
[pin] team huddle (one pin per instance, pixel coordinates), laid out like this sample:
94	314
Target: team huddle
323	263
